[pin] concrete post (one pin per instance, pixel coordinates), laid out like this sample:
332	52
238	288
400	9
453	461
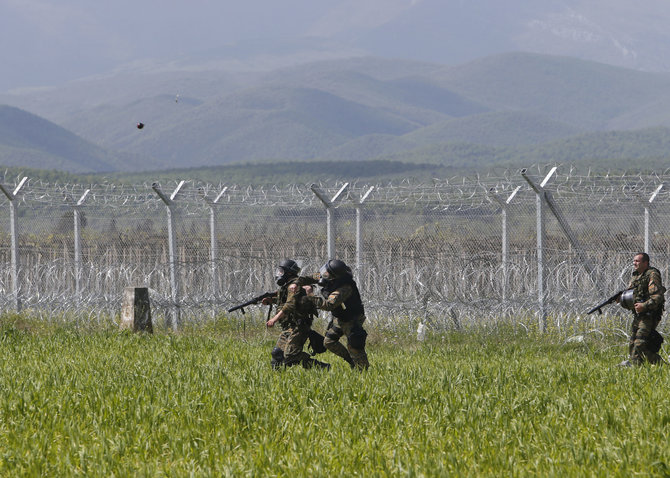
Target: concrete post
136	310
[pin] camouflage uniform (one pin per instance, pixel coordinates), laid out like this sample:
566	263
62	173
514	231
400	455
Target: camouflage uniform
645	341
342	299
296	325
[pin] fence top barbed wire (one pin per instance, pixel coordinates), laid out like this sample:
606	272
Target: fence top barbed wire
463	192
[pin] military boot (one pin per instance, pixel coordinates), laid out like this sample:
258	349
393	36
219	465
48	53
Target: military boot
322	365
309	363
360	359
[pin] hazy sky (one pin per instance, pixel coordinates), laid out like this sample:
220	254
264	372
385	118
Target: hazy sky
45	41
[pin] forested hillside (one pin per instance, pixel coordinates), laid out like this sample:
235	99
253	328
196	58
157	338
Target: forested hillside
28	140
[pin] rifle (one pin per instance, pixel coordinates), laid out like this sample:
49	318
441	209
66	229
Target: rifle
612	299
253	301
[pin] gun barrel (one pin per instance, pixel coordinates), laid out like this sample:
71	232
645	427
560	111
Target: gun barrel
237	307
604	303
597	308
253	301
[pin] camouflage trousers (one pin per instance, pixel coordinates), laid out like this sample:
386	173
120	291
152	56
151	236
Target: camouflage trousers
645	341
291	342
354	354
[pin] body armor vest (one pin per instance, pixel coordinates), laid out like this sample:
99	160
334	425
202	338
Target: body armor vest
353	306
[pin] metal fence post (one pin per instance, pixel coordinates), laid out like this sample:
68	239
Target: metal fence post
543	196
360	266
330	220
541	236
647	219
213	244
172	246
14	234
505	240
77	241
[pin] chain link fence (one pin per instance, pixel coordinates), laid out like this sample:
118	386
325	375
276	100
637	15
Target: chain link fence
531	249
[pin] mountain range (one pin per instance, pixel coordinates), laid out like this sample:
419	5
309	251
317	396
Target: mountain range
494	110
450	83
46	43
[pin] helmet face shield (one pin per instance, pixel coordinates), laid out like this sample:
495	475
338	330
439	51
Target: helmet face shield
285	270
280	276
325	273
325	276
335	269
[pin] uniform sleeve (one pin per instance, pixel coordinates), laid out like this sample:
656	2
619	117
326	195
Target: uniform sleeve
291	304
656	292
335	299
310	280
295	292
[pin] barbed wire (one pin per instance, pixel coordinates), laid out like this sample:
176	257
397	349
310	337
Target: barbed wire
431	251
445	190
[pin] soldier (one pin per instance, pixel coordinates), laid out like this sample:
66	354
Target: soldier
295	315
648	304
342	299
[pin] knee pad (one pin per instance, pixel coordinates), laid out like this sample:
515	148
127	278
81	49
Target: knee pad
357	338
333	346
333	334
316	342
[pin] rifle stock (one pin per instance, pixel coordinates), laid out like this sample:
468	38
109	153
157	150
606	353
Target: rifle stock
253	301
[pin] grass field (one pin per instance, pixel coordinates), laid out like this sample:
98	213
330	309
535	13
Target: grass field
205	402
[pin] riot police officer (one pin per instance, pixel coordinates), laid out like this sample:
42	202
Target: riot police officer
340	296
295	315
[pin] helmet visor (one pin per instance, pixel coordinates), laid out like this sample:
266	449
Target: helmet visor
323	272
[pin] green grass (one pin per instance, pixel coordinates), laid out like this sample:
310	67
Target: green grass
205	402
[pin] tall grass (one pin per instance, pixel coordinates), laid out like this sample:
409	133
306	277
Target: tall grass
205	402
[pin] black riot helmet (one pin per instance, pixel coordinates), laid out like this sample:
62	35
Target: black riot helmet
286	270
332	270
